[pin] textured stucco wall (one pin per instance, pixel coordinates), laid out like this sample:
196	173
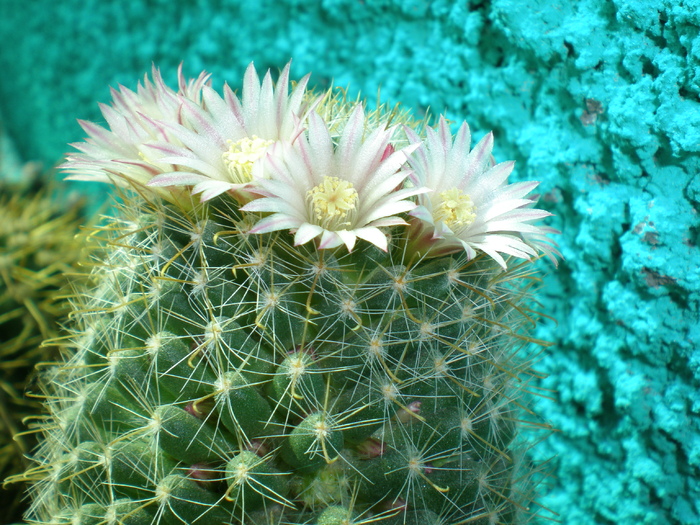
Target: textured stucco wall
598	99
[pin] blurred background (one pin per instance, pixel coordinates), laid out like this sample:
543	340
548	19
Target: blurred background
597	99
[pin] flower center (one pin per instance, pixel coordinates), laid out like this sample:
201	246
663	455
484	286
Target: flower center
241	156
332	200
456	209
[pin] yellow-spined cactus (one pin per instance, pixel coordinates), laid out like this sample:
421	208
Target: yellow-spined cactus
38	247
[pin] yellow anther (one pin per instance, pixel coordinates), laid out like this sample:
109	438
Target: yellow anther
332	200
241	156
456	209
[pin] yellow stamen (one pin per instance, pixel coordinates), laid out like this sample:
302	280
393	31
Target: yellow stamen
241	156
332	200
456	209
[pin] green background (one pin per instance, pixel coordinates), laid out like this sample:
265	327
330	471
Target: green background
597	99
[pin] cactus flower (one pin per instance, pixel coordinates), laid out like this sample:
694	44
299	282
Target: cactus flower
340	193
190	137
470	206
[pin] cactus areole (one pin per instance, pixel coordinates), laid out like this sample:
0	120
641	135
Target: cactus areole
301	312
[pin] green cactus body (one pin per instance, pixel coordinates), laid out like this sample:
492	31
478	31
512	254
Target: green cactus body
283	384
282	328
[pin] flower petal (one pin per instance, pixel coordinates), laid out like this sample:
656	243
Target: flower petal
306	232
275	222
348	238
329	240
212	188
177	178
373	235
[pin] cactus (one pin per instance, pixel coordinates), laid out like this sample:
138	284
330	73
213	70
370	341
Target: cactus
221	370
37	235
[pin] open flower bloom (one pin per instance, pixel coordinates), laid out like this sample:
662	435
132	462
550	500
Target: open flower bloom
336	192
190	137
470	206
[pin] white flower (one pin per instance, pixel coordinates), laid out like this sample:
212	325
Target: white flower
470	206
192	137
336	192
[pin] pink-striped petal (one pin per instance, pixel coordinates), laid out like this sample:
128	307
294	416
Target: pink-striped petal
176	178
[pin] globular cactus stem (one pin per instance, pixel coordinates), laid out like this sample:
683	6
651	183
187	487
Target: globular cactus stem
357	370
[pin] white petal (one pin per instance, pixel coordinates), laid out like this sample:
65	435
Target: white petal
391	204
234	105
213	185
487	182
370	197
390	208
320	144
159	149
387	221
226	120
87	177
306	232
517	190
471	253
275	222
479	158
506	244
373	235
195	164
99	134
329	240
201	122
251	93
272	204
368	157
462	140
266	124
348	238
177	178
390	165
514	221
200	145
422	213
297	95
351	139
283	197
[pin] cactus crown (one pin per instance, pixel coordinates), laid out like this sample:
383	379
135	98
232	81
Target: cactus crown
220	370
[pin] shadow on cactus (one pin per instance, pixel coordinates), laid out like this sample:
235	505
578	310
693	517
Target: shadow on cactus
38	226
303	312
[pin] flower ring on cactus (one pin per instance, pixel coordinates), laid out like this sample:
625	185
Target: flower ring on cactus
193	136
470	207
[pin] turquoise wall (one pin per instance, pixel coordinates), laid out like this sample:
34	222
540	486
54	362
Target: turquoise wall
598	99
